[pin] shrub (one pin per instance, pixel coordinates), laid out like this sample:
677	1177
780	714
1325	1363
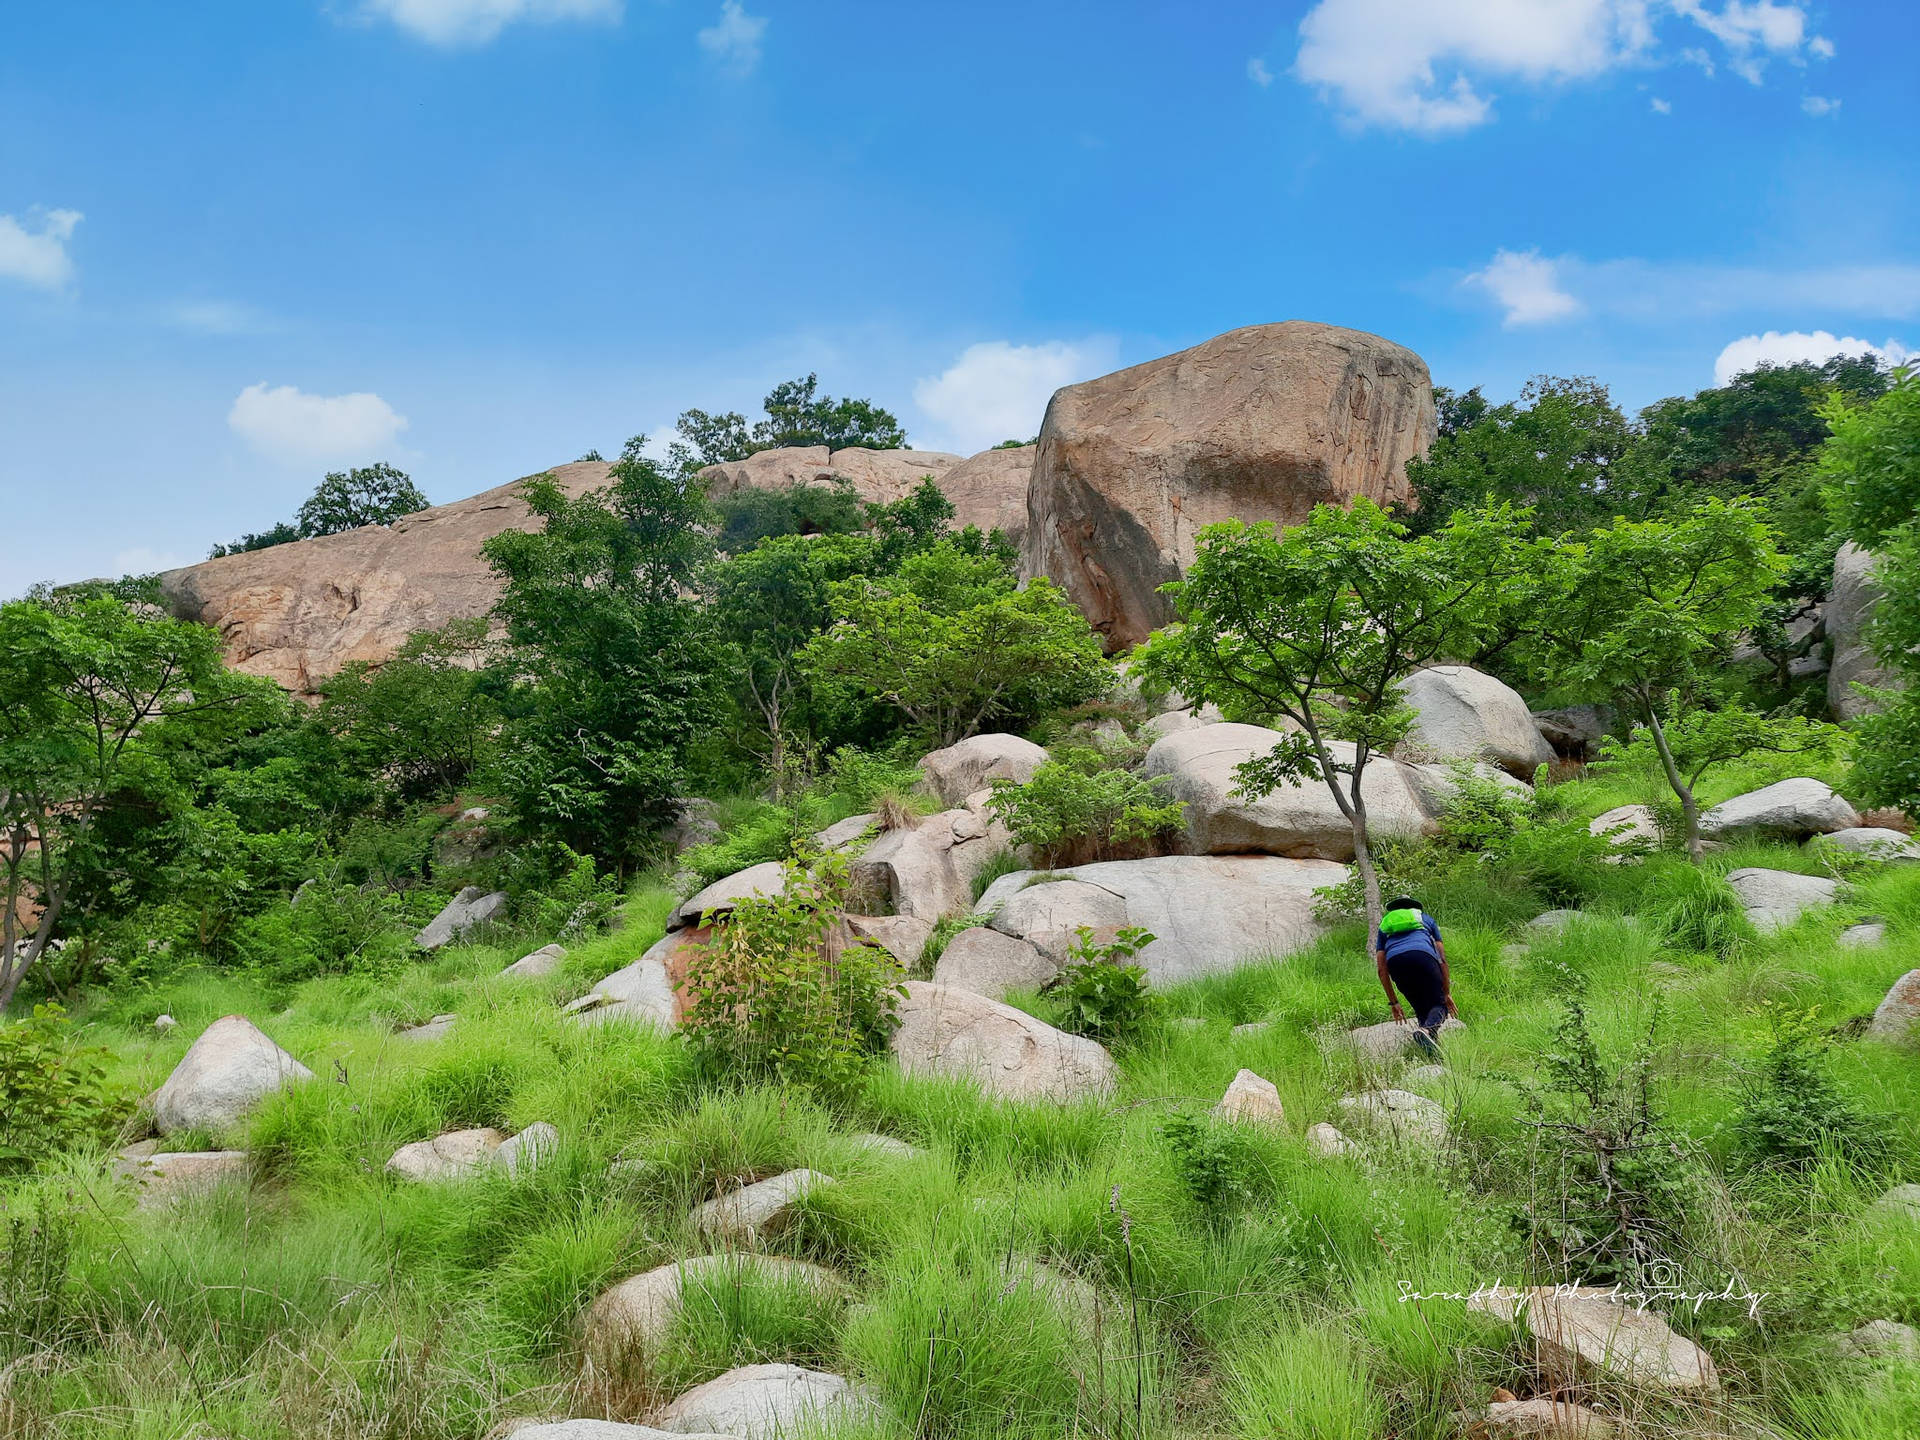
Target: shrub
779	995
1696	910
35	1264
1793	1113
766	834
53	1092
1212	1161
575	904
336	928
1099	995
1081	808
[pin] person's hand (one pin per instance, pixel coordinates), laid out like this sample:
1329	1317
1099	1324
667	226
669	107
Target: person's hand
1452	1009
1399	1015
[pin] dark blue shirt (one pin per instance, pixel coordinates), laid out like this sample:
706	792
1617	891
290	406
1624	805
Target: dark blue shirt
1424	941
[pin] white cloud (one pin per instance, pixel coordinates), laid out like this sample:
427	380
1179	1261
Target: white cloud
1428	65
1817	105
1793	346
1258	72
38	256
475	22
216	317
998	391
1661	107
1527	286
287	424
1820	48
734	39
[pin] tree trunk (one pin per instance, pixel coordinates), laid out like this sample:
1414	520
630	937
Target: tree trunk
1363	858
1688	805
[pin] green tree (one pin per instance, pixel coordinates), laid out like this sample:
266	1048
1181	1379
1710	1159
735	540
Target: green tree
1872	463
796	414
1699	738
609	659
424	720
1556	450
1641	608
91	691
375	494
1322	622
953	643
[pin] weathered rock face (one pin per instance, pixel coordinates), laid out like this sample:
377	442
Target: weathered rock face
1009	1054
1848	608
1898	1016
297	613
1261	423
1209	914
1784	810
989	963
926	870
1774	899
230	1069
990	491
1299	820
1465	714
959	770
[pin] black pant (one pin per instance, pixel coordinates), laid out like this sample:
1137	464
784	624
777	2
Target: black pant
1419	979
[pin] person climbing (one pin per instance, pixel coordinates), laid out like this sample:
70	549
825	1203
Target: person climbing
1410	953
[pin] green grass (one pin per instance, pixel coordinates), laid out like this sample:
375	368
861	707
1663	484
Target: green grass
1039	1269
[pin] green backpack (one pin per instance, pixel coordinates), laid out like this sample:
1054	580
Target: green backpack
1399	922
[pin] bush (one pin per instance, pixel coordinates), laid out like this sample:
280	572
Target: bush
335	928
575	902
1694	909
1082	808
53	1092
1793	1113
1212	1161
778	995
1099	995
35	1265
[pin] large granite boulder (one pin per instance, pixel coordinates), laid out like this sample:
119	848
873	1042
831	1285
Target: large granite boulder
976	762
1300	820
990	963
631	1320
1848	608
901	936
470	909
1774	899
1261	423
774	1402
1874	842
297	613
1209	914
926	870
1575	731
1898	1015
1012	1056
647	991
1784	810
228	1070
989	491
756	882
1584	1331
1464	714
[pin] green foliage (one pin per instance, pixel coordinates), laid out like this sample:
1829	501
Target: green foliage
608	657
953	644
36	1303
1097	993
375	494
424	720
1527	835
1793	1113
1873	464
751	515
1212	1159
1701	739
575	902
1696	910
281	532
1080	807
1305	1383
334	926
797	414
777	995
53	1091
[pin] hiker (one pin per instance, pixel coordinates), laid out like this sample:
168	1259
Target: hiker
1410	953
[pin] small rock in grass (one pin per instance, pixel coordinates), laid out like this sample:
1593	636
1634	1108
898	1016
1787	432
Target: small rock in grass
1546	1418
471	908
1580	1331
529	1150
1328	1143
447	1157
757	1212
765	1402
541	962
1399	1113
1390	1039
1880	1340
1251	1028
434	1029
1901	1202
1551	921
551	1429
1425	1075
886	1145
178	1175
1251	1098
1774	899
164	1023
1867	933
1898	1015
634	1318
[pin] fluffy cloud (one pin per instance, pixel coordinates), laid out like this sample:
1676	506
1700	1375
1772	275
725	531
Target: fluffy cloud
475	22
38	255
1818	105
1425	65
734	39
1661	107
287	424
1258	72
1790	347
1527	286
998	391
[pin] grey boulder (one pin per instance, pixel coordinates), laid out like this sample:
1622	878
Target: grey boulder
757	1212
642	992
1774	899
767	1402
762	881
538	963
926	870
471	908
1583	1331
229	1070
1874	842
976	762
1399	1115
1785	810
635	1317
165	1179
1898	1015
1849	607
1465	714
989	963
453	1156
956	1034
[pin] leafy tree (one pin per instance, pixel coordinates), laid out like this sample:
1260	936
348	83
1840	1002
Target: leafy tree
1641	608
345	500
1322	622
1082	807
1555	450
751	515
424	720
280	534
1873	465
953	643
796	414
609	663
91	690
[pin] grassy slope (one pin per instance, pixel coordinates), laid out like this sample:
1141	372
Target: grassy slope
331	1302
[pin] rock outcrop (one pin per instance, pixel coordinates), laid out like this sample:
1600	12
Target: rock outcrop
297	613
229	1070
1848	608
990	963
1465	714
877	476
1209	914
926	870
975	763
990	491
1009	1054
1261	423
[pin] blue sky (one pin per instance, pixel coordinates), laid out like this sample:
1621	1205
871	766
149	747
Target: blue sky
243	243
